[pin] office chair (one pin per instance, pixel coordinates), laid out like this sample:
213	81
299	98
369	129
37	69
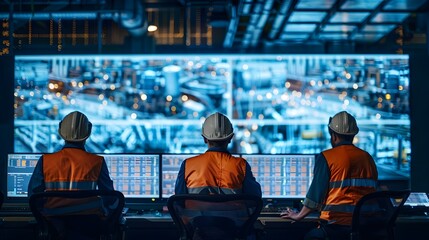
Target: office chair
89	214
1	199
375	214
213	217
1	204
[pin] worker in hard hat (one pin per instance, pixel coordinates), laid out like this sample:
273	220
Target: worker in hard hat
342	175
72	167
216	171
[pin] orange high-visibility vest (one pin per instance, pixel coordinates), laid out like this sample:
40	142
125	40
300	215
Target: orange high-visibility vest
71	169
353	174
215	172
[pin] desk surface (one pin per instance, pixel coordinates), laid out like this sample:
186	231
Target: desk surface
159	225
165	216
152	217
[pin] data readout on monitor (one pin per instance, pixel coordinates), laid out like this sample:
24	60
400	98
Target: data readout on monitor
282	176
135	175
20	167
170	167
417	199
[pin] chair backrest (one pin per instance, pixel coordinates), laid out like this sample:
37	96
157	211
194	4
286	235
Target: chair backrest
229	216
92	214
1	199
375	214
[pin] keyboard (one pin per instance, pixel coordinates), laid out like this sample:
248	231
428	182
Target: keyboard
15	209
414	211
273	211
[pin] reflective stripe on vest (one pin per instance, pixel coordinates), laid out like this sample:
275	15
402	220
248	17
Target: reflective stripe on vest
356	182
71	185
213	190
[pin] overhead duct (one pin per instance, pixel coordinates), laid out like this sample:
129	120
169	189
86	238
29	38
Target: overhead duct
132	18
55	15
128	14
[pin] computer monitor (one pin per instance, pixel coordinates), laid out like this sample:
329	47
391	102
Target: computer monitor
417	199
169	169
135	175
282	176
20	167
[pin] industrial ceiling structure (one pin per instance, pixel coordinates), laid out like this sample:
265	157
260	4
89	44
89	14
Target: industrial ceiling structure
242	25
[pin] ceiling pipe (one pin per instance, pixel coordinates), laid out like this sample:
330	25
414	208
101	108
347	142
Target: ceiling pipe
56	15
130	14
133	18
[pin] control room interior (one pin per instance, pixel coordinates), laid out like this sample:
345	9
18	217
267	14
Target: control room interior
148	72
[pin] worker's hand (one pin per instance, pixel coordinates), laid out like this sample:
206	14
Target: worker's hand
289	213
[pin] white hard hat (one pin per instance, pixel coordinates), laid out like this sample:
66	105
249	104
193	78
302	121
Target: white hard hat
75	127
343	123
217	127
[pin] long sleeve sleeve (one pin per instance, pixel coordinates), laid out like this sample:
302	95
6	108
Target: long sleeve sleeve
104	180
250	185
319	186
180	186
37	181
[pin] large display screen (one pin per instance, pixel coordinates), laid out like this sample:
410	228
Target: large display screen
156	103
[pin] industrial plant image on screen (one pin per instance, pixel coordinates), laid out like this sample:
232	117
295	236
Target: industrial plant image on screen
278	104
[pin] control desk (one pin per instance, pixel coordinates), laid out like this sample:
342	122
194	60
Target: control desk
159	225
